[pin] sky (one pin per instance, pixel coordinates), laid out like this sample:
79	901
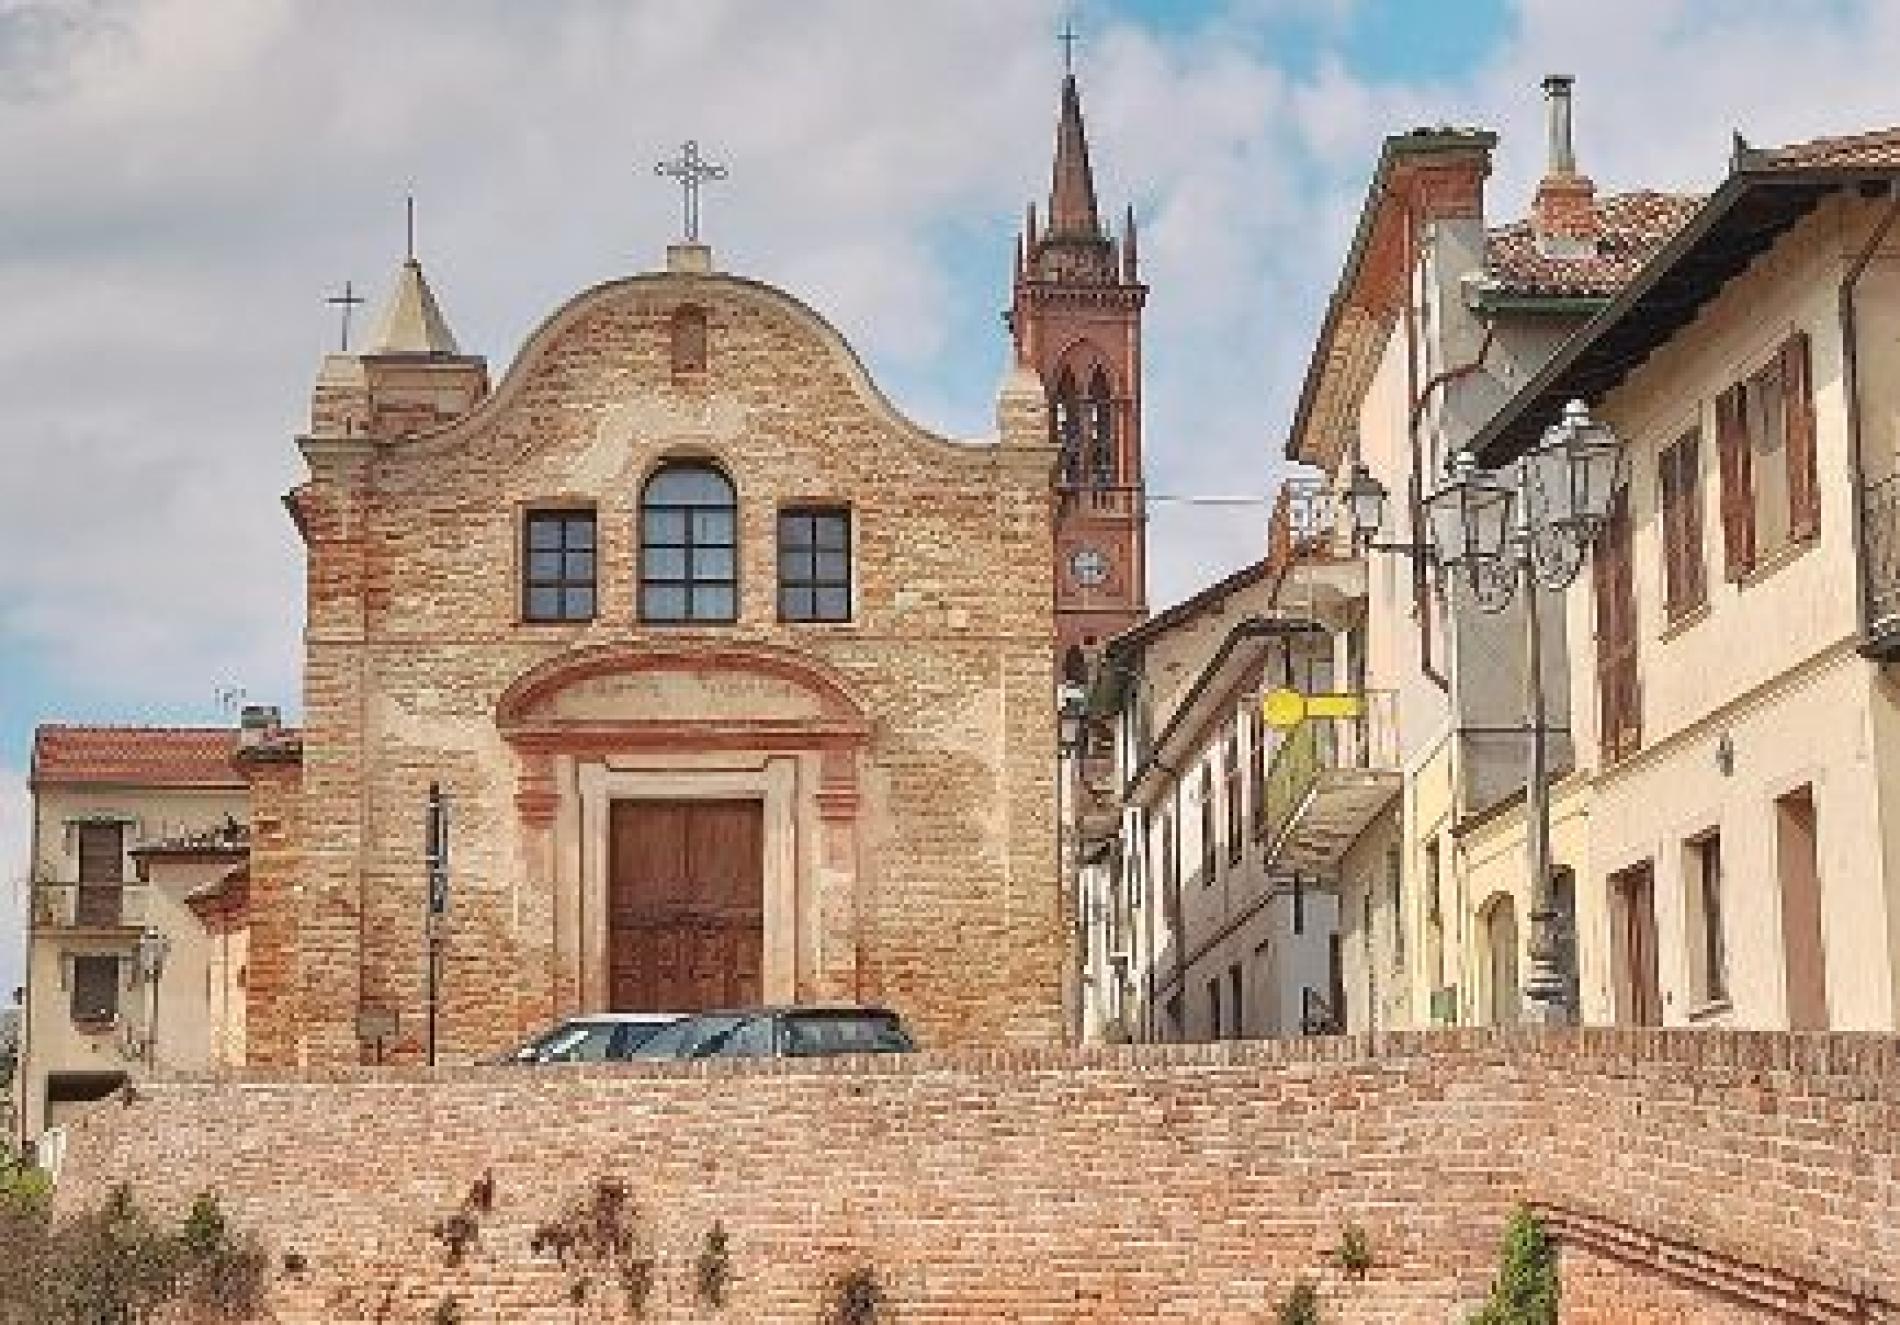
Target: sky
185	181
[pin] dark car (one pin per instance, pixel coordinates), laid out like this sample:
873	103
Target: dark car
594	1037
796	1032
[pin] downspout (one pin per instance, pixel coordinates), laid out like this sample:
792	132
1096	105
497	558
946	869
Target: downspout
1415	494
1850	381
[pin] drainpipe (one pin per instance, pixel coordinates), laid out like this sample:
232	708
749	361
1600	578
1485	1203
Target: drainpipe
1850	381
1415	493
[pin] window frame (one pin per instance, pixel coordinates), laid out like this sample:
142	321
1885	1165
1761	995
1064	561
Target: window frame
688	583
814	512
1234	806
1679	498
1708	956
562	585
108	1017
1210	831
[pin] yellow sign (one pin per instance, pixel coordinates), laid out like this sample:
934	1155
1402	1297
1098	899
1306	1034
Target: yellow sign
1286	708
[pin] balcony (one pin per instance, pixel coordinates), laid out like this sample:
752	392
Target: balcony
1880	567
90	908
1330	777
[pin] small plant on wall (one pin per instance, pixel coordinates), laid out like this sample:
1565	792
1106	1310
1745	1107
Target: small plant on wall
1353	1255
1525	1291
602	1234
857	1298
715	1267
1299	1307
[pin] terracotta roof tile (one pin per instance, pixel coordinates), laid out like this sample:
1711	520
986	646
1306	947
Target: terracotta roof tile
136	756
1634	227
1877	147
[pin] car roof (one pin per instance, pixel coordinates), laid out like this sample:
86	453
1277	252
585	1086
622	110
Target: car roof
619	1018
800	1009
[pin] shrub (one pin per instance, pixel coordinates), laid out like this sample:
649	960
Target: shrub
1525	1291
857	1298
715	1266
1299	1307
1354	1253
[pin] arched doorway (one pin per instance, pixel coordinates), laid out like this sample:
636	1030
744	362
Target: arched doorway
1503	1000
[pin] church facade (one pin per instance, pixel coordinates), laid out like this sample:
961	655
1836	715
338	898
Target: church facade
736	684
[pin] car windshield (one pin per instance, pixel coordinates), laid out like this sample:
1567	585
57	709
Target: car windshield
683	1039
812	1034
580	1042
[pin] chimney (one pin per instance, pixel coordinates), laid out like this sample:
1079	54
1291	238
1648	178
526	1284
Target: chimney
1563	215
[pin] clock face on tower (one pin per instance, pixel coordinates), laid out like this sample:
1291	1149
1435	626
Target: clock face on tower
1089	566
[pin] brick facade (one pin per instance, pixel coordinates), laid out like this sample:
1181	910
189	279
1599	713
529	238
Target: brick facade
905	756
1181	1182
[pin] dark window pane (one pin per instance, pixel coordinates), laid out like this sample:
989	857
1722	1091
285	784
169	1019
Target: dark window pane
831	531
544	603
663	602
795	531
580	533
795	604
578	566
663	526
544	565
796	567
544	532
712	603
712	563
833	605
689	485
712	527
833	568
578	604
664	563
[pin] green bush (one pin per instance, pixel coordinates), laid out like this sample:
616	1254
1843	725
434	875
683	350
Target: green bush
1525	1292
1299	1307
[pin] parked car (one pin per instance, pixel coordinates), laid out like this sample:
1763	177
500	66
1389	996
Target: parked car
593	1037
787	1032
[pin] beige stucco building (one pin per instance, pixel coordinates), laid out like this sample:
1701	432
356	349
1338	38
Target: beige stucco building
1720	845
1730	683
135	833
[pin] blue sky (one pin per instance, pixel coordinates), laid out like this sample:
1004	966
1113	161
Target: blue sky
189	178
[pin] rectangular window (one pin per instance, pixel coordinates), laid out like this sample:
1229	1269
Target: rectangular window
1257	773
1213	1009
1210	844
1395	883
1619	684
1708	957
95	991
1679	486
101	895
558	566
1237	1002
814	564
1764	434
1236	803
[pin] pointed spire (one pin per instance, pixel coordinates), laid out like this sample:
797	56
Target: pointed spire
412	322
1072	187
1131	262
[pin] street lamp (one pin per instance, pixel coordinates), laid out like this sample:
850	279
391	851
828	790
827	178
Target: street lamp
1071	729
148	964
1508	535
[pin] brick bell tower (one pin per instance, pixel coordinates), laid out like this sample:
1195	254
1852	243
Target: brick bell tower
1076	318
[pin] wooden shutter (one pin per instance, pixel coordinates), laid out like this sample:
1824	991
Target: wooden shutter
1669	483
1618	693
1738	488
1797	402
1689	488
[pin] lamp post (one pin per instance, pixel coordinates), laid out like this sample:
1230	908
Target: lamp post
1071	728
1508	535
148	962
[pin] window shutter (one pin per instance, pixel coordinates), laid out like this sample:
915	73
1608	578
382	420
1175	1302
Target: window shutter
1738	496
1689	496
1669	480
1804	493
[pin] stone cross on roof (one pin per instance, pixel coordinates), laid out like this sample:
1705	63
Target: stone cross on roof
691	171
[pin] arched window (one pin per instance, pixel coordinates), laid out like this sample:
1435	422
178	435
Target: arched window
1101	431
1065	420
688	546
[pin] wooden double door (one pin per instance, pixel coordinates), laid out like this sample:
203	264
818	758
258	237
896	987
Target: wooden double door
686	904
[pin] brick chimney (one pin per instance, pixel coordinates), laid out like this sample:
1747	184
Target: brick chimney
1563	215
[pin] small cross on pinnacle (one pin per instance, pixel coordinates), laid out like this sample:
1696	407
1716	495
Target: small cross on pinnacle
1068	37
347	301
691	172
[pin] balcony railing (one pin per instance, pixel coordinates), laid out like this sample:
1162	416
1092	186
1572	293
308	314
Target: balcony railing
1328	779
1880	567
90	906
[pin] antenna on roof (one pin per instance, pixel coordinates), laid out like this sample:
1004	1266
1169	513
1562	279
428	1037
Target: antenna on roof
229	698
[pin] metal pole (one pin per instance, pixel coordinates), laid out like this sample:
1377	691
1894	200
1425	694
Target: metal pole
1545	987
436	855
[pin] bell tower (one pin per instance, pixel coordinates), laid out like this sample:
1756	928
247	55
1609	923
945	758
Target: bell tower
1076	319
